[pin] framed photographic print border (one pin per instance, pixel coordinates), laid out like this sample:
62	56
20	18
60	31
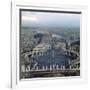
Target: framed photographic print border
15	45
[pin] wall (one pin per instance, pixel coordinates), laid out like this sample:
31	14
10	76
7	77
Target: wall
5	44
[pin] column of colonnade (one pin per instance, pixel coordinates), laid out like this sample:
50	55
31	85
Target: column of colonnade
37	54
43	68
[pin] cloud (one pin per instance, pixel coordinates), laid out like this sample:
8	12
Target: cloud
50	19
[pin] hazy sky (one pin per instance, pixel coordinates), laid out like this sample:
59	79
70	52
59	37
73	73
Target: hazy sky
48	19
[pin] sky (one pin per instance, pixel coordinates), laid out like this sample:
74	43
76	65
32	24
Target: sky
47	19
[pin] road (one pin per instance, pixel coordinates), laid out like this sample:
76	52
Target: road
51	73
